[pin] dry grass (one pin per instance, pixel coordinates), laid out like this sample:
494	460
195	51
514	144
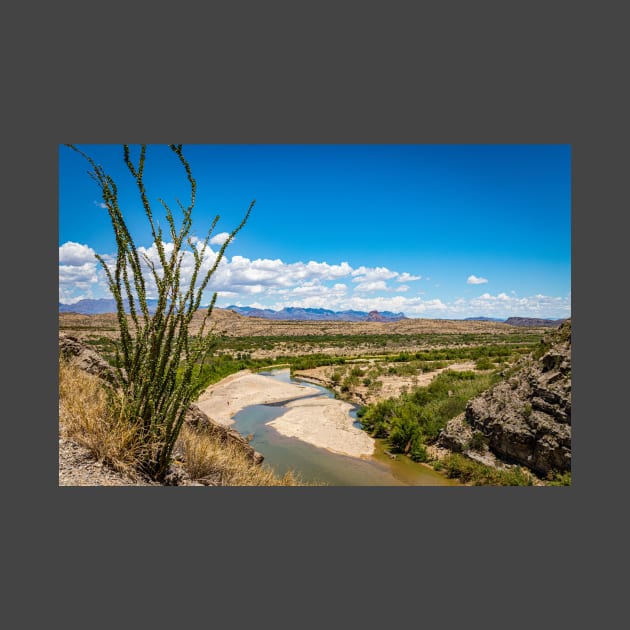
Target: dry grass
206	458
90	415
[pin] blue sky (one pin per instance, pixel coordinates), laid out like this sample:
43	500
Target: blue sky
440	231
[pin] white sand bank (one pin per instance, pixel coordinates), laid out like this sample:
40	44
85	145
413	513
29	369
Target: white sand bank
224	399
324	422
319	420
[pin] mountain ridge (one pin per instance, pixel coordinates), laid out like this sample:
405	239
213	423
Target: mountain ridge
100	306
318	314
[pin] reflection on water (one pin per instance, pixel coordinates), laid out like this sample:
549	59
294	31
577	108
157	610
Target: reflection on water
317	464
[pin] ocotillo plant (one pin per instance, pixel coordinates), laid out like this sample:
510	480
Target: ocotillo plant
157	357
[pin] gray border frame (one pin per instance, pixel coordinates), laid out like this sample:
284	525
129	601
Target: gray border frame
401	72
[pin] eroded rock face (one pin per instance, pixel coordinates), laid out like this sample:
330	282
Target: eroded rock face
81	355
456	435
527	417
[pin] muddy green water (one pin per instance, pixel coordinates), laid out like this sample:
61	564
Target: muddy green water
320	465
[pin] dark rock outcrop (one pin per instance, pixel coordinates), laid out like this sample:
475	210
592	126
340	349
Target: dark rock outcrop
526	419
456	435
81	355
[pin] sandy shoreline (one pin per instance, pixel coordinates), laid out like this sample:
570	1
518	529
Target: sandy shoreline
226	398
324	422
316	419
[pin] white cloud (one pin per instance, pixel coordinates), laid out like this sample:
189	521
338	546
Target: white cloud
71	253
274	283
64	299
79	272
378	285
219	239
503	305
69	274
407	277
475	280
371	274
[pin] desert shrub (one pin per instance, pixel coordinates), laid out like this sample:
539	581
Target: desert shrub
403	429
91	414
478	441
457	466
484	363
418	451
335	377
152	348
555	478
206	457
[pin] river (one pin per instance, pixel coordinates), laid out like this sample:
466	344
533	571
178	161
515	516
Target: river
321	465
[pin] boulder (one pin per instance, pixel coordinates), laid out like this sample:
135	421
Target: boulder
81	355
456	435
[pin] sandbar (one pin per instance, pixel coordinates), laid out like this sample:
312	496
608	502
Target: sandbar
324	422
226	398
310	417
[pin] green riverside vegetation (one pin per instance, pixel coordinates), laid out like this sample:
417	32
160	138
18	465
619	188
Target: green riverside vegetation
414	419
457	466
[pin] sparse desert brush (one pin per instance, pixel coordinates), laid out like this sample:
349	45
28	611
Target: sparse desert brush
90	414
207	457
157	358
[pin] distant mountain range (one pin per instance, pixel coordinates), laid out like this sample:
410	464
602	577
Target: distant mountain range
108	305
533	321
519	321
483	319
306	314
99	306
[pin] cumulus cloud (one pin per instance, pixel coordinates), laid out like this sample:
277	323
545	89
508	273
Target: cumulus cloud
378	285
274	283
71	253
503	305
407	277
475	280
73	274
219	239
372	274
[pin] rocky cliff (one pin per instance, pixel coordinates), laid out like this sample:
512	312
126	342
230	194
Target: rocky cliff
526	418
